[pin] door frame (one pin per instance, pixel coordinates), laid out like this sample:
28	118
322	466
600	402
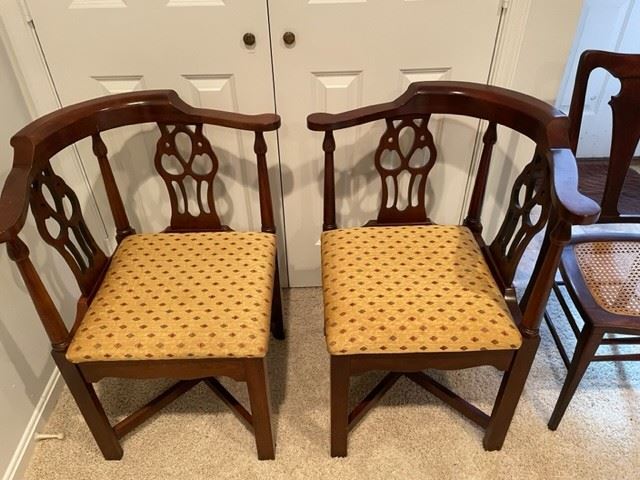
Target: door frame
18	32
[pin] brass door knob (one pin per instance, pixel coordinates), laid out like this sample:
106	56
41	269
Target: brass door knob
249	39
289	38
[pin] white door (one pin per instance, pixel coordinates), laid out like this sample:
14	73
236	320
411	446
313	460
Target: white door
350	53
196	47
612	25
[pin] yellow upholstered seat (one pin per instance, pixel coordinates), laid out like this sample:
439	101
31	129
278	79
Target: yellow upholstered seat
411	289
181	296
611	271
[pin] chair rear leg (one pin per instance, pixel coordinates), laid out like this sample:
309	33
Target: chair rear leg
339	405
586	348
90	407
258	387
277	322
509	394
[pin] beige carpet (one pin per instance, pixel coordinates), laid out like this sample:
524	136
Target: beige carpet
409	435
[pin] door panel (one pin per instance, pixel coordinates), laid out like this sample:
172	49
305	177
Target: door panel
192	46
353	53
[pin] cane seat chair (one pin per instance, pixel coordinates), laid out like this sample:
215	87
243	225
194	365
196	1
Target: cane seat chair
402	294
600	268
192	303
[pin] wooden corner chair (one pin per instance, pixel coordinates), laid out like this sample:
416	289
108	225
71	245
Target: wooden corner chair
601	267
403	295
192	303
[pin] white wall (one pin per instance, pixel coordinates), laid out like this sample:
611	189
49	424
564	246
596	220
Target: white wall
25	364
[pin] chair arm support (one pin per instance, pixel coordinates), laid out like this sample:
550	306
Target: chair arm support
47	311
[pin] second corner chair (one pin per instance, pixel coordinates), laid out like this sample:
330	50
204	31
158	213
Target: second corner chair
402	294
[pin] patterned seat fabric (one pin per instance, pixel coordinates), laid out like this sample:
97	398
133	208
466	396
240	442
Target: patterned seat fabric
411	289
611	271
181	296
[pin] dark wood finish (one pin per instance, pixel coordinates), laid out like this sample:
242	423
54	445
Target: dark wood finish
234	405
33	183
531	189
598	322
72	240
329	198
123	228
544	195
184	215
443	393
340	379
415	209
134	420
90	407
47	311
372	398
258	387
626	127
277	318
477	197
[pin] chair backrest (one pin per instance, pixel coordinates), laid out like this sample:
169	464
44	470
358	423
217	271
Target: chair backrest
544	194
625	134
56	209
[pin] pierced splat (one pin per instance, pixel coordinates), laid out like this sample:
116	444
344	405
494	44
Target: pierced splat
405	155
58	216
527	214
189	178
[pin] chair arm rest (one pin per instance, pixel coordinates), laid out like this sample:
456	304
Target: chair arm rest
571	205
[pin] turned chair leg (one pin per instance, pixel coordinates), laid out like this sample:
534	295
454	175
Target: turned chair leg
90	407
339	405
277	322
586	348
258	386
509	394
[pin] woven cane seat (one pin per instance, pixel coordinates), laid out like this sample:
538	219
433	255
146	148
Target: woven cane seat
611	271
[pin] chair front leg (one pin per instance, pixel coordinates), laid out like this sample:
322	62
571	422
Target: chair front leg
586	348
90	407
258	386
277	322
339	405
509	394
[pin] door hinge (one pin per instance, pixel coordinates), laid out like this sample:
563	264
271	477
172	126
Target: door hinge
505	4
26	13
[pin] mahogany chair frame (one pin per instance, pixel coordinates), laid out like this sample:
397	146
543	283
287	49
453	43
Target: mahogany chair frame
34	146
599	322
549	181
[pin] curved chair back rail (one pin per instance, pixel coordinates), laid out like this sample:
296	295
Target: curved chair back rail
549	182
33	183
36	143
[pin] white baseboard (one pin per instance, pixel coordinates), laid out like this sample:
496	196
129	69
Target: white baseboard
43	409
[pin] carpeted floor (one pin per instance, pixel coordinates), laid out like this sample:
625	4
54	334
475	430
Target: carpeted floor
410	435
